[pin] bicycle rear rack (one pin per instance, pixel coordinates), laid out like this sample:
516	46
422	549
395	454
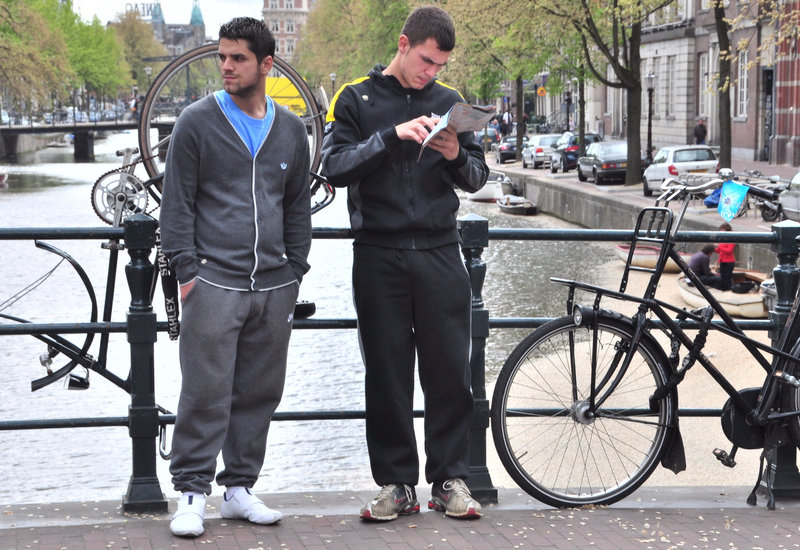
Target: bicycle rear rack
654	228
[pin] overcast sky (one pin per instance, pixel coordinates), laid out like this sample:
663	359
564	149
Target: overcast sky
215	12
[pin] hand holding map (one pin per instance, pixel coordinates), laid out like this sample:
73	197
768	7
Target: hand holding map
462	117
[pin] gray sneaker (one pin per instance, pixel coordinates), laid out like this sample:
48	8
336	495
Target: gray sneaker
393	500
453	497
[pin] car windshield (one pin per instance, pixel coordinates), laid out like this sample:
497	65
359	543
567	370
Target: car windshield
694	155
613	148
549	141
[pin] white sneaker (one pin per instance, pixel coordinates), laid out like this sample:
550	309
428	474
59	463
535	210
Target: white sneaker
187	521
240	503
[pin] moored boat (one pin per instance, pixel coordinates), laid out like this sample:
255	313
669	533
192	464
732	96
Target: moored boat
647	256
749	304
488	193
512	204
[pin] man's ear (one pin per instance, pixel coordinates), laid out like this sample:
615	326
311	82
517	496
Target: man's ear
266	65
403	44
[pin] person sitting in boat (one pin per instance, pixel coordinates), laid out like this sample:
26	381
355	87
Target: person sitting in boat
700	264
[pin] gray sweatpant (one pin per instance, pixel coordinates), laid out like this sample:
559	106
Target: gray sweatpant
233	348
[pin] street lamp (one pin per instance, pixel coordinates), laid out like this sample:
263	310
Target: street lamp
568	101
333	84
650	84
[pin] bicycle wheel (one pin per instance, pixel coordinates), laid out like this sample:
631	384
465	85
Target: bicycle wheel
196	74
552	441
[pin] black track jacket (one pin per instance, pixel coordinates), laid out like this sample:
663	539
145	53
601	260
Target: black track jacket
394	200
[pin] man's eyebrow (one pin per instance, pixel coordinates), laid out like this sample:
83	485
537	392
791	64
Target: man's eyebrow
432	62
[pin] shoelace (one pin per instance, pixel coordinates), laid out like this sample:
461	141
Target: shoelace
457	485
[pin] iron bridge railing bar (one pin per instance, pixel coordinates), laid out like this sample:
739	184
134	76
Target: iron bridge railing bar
145	419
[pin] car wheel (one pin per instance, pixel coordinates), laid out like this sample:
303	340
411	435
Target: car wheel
581	175
646	188
553	166
597	179
539	165
524	164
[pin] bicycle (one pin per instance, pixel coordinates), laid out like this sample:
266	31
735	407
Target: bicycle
586	406
183	81
119	193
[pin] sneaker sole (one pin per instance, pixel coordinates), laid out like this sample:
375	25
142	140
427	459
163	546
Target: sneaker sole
471	513
366	515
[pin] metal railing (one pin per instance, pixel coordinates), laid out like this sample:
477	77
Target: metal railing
144	419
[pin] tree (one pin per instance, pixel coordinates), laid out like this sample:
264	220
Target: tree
613	29
723	84
33	60
138	43
372	25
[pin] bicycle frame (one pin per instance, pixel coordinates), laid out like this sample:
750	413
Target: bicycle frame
600	390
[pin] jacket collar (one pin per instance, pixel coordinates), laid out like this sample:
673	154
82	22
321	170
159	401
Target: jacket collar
391	82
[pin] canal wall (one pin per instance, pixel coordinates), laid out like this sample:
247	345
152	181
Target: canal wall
12	144
617	207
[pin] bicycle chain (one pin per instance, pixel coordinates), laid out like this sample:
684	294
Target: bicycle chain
122	169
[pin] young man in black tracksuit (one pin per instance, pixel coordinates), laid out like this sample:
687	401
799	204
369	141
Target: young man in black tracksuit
411	289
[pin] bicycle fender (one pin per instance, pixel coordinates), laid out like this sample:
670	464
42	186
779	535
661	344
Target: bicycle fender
673	456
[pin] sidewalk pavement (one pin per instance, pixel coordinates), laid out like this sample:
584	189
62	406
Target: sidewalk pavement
660	518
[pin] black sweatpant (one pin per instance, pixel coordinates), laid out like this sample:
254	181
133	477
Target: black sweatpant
409	300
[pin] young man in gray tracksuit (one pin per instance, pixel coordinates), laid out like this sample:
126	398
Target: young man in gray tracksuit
236	227
411	289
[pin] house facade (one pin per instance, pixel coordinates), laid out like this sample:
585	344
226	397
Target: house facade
681	49
285	18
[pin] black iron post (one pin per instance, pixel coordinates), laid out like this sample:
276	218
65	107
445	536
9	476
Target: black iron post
786	480
144	492
568	101
650	82
474	231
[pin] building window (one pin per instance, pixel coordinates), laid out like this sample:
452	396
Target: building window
290	26
289	4
273	4
274	25
741	87
278	47
702	85
671	79
289	46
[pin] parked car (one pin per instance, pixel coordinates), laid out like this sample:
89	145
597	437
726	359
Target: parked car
487	137
538	150
605	160
565	154
506	148
673	160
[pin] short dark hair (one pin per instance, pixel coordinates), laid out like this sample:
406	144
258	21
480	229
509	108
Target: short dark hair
430	22
258	36
708	249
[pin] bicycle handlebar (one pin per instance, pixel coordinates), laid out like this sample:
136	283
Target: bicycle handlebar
674	187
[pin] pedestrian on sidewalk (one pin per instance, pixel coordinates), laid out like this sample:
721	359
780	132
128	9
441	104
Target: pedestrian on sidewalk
411	289
700	132
236	227
726	259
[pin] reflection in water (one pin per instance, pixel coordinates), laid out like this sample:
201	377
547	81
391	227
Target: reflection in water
49	189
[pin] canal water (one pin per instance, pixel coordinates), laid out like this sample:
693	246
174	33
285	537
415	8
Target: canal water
49	189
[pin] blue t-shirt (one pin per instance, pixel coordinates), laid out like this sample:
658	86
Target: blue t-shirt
253	131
